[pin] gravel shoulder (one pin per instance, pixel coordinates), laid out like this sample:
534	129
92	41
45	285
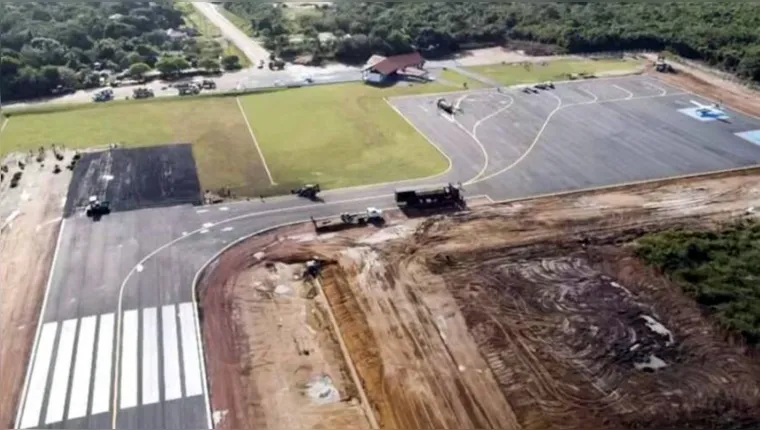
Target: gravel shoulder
30	217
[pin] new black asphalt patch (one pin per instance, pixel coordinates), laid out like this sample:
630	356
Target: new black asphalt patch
136	178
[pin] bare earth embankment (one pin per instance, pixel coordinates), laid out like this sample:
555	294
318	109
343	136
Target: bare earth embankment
30	217
529	315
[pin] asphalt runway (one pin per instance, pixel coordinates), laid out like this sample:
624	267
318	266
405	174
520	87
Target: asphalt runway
118	342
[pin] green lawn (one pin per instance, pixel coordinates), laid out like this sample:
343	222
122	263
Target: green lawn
458	80
511	74
337	135
340	135
223	148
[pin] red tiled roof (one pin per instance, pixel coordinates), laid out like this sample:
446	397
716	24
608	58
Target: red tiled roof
398	62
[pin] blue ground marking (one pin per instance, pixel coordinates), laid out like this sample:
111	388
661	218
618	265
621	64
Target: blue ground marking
712	116
750	136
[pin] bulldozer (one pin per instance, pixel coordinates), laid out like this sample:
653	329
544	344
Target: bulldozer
308	191
661	66
142	93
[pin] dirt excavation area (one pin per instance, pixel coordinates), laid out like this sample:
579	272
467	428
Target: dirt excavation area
30	218
527	315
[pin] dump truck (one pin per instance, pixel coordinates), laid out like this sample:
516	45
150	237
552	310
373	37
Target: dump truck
142	93
308	191
433	197
97	208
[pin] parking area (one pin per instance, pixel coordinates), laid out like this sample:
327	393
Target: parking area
582	134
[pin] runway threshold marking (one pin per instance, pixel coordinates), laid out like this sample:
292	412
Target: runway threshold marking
191	352
80	387
32	407
129	363
172	382
150	357
60	384
101	392
255	141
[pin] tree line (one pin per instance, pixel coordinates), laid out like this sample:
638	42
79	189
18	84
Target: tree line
51	47
720	269
723	34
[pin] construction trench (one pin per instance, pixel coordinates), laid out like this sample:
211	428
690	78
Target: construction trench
526	315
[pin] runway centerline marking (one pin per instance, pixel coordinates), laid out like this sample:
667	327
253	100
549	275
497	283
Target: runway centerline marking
255	141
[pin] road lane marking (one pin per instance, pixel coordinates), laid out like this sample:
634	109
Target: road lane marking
190	351
38	382
630	94
37	337
172	382
60	383
101	393
150	380
80	387
129	360
255	142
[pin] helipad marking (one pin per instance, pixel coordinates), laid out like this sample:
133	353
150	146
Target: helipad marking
752	136
715	114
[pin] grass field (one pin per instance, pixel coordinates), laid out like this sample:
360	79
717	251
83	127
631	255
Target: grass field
340	135
459	80
511	74
224	151
337	135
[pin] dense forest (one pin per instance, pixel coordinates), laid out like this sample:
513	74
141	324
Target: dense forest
61	46
720	269
723	34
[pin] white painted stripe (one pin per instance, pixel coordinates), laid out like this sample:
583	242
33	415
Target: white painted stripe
190	351
101	393
129	360
172	382
80	387
61	373
38	381
150	381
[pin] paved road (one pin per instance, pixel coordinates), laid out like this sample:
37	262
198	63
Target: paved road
252	49
119	343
